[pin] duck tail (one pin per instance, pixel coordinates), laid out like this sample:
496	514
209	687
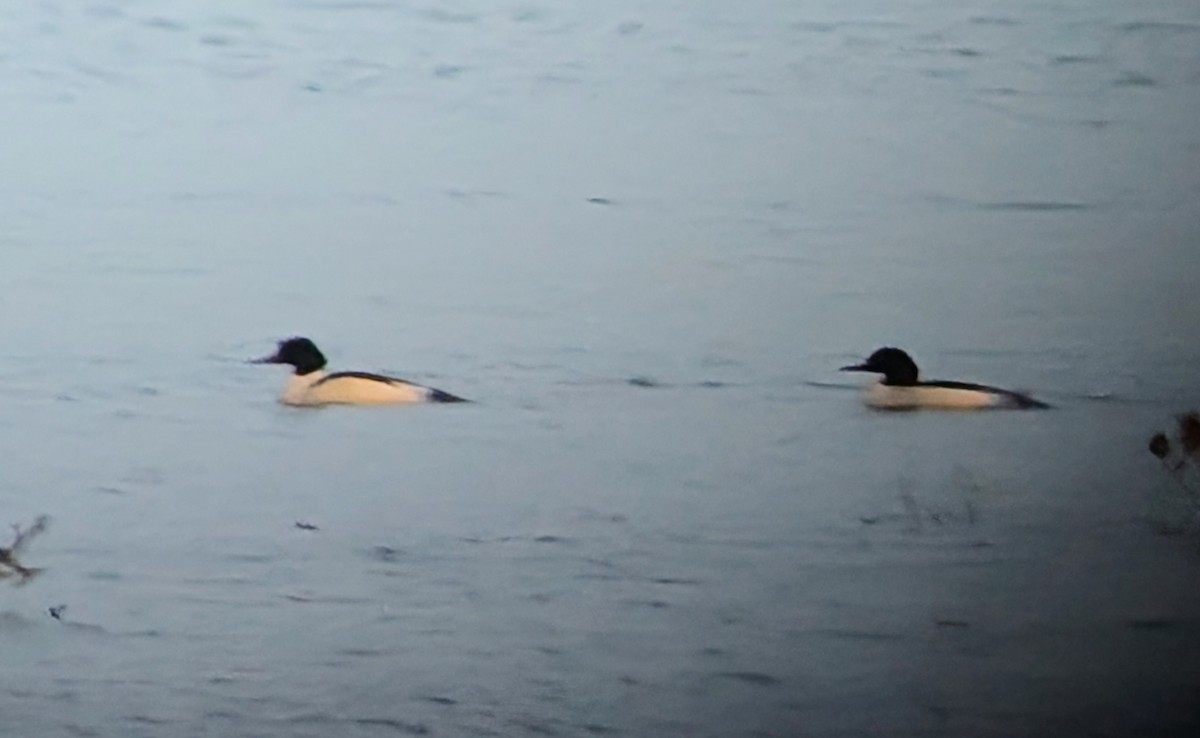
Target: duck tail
1023	401
436	395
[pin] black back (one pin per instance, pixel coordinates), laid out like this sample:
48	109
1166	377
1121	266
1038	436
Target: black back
435	395
1014	399
364	375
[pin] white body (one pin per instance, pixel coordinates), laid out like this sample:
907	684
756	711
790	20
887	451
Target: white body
891	397
320	388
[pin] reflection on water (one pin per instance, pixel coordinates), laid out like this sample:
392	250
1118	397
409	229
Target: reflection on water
644	238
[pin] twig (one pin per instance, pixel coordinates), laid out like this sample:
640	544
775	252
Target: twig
21	539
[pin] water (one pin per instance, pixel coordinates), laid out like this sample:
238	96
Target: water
642	238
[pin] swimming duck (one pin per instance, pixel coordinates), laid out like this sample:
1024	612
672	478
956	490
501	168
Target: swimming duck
311	385
902	389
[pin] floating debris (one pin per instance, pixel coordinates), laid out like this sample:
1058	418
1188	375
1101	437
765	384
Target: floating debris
21	538
57	611
1181	459
306	526
1179	453
1160	446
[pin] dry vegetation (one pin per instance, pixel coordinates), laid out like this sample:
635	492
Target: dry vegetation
10	564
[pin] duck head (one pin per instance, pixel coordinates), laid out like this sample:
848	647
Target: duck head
298	352
896	366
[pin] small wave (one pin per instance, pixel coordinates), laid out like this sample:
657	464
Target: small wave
642	381
860	635
147	633
385	554
142	719
966	51
224	581
1067	59
652	604
675	580
1104	396
547	538
324	599
445	16
827	27
1157	26
165	24
1035	206
252	558
84	627
448	71
994	20
399	726
603	517
816	384
217	40
528	15
757	678
473	195
1134	79
600	577
812	27
343	5
650	383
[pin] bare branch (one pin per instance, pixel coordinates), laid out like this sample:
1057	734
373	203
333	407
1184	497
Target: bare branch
23	538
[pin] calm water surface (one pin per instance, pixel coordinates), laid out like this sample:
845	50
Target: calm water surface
642	237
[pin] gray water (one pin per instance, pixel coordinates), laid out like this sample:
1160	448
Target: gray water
642	236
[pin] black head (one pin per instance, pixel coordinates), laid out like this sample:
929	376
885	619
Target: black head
299	352
897	367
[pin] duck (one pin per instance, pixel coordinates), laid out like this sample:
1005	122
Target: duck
310	385
901	388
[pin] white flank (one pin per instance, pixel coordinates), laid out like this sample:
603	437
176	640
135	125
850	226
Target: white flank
305	391
889	397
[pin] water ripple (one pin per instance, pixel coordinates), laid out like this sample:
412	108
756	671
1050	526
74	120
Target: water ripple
1035	206
398	726
756	678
